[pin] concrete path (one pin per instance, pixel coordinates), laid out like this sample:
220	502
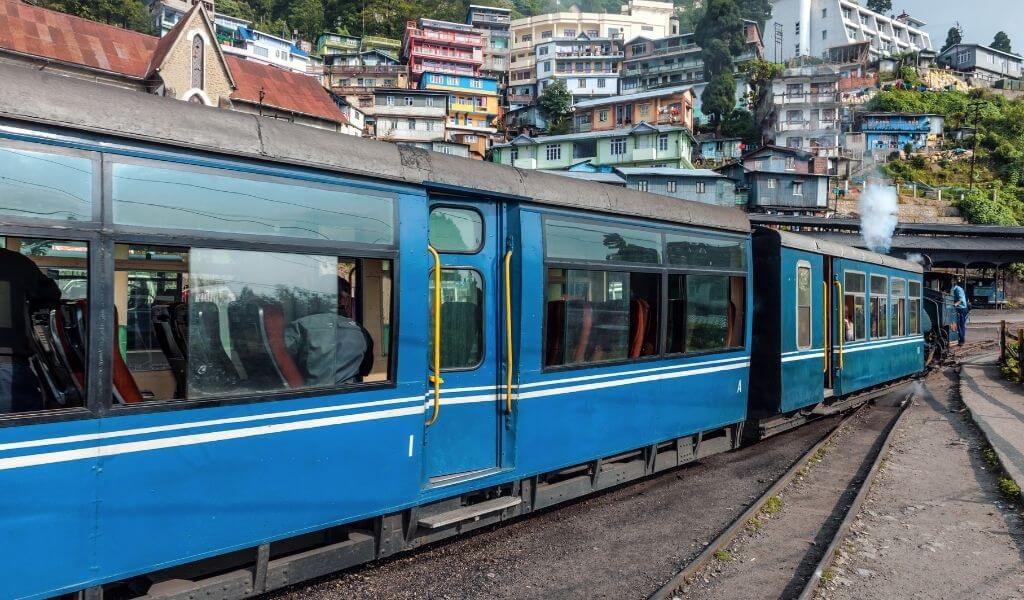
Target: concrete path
997	406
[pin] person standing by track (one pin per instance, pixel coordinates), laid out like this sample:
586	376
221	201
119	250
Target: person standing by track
960	303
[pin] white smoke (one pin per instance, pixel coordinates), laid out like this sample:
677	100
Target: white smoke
916	257
879	215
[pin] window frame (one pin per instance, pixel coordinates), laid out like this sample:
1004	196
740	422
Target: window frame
470	208
901	316
483	322
804	264
872	294
864	296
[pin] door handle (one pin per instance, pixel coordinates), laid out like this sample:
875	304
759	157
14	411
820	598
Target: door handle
824	326
508	332
842	332
435	376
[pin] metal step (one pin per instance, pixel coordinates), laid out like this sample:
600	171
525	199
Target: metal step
467	513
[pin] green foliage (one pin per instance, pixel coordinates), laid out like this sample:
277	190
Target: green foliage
759	74
689	13
758	11
755	524
742	124
307	16
909	76
880	6
1002	42
720	34
554	104
723	555
954	36
772	506
129	14
1009	488
978	207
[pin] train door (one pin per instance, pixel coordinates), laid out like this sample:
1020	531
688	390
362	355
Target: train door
463	421
829	308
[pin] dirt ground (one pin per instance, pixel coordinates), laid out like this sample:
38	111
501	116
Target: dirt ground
934	524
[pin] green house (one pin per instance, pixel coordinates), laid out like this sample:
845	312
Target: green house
643	145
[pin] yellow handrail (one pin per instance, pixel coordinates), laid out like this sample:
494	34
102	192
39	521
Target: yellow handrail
508	332
435	377
842	330
824	326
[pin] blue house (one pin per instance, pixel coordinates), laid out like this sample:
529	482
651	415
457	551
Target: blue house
716	150
890	132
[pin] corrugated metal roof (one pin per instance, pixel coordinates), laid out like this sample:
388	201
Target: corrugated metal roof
588	176
281	89
631	97
593	135
669	172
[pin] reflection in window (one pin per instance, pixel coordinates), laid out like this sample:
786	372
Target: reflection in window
898	323
43	324
600	243
700	251
914	308
201	200
715	306
45	185
803	306
201	323
853	308
878	306
462	318
455	229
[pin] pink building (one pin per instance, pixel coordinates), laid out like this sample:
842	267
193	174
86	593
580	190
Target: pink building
442	47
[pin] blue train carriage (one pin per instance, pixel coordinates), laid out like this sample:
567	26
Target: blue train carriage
240	377
813	295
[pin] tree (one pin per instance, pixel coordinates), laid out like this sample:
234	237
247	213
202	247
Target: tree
307	16
758	11
880	6
721	36
742	124
1002	42
554	103
129	14
954	36
759	77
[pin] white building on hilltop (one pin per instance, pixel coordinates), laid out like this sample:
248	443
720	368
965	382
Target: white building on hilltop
813	27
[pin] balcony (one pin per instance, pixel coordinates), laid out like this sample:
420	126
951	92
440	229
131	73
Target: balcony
807	98
459	39
874	126
491	19
356	70
520	98
588	54
416	112
476	56
585	71
419	68
812	125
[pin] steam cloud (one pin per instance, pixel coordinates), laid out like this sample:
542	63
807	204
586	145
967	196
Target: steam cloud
879	215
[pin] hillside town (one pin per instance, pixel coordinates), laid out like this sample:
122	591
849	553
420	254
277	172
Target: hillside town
387	299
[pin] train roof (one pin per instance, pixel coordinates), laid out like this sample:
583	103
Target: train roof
789	239
29	95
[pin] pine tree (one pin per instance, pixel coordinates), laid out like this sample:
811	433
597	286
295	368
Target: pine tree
721	36
1002	42
953	37
880	6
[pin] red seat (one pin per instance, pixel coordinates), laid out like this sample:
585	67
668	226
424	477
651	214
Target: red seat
125	389
273	325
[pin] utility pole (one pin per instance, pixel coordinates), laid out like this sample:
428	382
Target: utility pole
974	109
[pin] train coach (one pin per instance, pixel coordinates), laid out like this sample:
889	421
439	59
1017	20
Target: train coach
248	353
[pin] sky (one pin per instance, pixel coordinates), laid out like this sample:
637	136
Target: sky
981	19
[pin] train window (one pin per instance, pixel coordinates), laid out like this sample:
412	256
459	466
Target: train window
43	324
705	312
462	318
700	251
878	309
578	240
197	323
898	322
853	307
598	316
803	305
456	229
45	185
914	308
228	202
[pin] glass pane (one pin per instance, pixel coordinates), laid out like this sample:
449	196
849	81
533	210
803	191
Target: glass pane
45	185
899	287
707	305
877	284
914	316
601	243
803	286
854	282
462	318
803	327
915	289
700	251
181	199
43	324
587	316
878	313
456	230
644	313
853	318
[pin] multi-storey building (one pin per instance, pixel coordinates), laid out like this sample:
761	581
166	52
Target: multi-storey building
408	116
885	133
360	73
653	18
442	47
492	23
336	44
982	64
186	64
588	66
781	180
807	106
669	106
167	13
472	109
237	37
674	60
813	27
714	150
643	145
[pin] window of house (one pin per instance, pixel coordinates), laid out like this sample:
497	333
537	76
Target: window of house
545	34
772	183
411	124
824	34
44	322
600	82
641	185
390	100
663	142
671	186
569	33
700	187
547	66
878	309
429	101
584	149
914	308
198	63
645	110
408	100
643	142
854	307
462	312
794	89
542	51
514	153
553	152
790	163
824	13
581	83
898	302
261	51
798	188
803	305
602	115
526	37
618	146
206	323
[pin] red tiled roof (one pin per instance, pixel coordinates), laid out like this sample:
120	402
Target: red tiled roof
49	34
287	90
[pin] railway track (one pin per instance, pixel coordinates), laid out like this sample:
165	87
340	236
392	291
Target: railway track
881	426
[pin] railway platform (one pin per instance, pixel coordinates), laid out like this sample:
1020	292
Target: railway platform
997	406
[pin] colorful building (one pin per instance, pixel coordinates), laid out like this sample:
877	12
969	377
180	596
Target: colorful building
589	66
492	23
669	106
472	108
885	133
442	47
